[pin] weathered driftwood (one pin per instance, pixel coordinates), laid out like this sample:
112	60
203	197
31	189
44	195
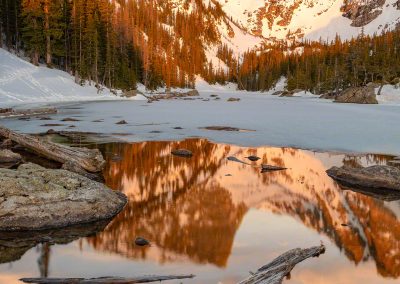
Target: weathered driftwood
9	112
280	267
104	280
90	160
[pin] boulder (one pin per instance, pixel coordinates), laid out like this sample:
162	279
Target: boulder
384	178
192	93
35	198
131	93
358	95
9	159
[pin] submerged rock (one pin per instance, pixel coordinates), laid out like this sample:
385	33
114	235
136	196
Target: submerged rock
357	95
121	122
35	198
141	242
376	177
253	158
13	245
233	100
182	153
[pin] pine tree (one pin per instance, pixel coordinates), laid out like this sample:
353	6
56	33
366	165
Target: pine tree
32	32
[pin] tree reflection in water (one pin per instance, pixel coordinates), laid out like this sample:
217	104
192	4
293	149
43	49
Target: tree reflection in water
190	208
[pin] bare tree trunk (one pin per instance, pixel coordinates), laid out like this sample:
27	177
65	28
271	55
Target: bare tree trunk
47	31
280	267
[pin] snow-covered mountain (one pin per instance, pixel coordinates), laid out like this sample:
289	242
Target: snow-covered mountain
312	19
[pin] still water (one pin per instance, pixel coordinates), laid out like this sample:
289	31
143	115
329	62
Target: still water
220	219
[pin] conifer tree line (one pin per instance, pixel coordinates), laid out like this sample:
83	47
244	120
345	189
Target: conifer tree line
116	43
321	67
119	43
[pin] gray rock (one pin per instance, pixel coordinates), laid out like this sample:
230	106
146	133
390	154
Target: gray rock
182	153
131	93
35	198
233	100
253	158
9	159
5	144
192	93
376	177
141	242
357	95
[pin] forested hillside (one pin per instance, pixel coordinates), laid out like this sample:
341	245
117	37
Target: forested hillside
119	43
322	68
116	43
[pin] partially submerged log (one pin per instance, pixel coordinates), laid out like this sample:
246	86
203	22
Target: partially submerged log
270	168
280	267
90	160
9	112
104	280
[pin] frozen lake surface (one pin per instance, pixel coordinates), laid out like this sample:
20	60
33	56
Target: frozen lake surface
300	122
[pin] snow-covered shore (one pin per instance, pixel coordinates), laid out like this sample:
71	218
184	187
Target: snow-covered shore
23	83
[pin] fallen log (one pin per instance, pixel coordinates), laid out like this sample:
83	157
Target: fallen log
280	267
90	160
104	280
9	112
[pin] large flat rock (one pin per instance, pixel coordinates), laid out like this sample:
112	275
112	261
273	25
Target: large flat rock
379	180
35	198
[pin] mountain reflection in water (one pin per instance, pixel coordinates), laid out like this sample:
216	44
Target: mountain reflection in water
192	208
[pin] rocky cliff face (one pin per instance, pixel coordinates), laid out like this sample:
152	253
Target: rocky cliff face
296	19
362	12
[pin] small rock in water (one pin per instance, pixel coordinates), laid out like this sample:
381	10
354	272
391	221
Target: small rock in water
141	242
182	153
253	158
44	118
233	100
98	120
52	125
178	128
122	122
69	119
269	168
